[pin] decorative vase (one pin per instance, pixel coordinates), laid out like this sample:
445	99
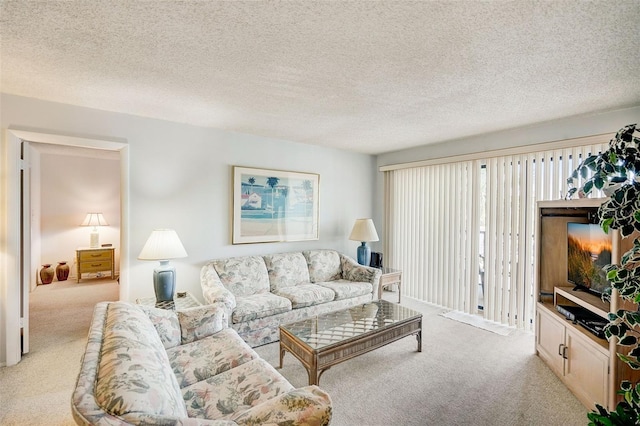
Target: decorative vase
46	274
62	271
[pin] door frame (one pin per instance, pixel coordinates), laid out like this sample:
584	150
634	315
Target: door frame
10	286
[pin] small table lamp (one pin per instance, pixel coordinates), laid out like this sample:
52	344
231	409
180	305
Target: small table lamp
95	220
162	245
364	231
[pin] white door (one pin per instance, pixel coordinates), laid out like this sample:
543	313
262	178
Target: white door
25	243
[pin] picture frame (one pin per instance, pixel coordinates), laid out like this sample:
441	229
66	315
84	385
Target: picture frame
274	205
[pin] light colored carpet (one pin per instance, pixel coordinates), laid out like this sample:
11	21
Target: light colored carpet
464	376
479	322
37	391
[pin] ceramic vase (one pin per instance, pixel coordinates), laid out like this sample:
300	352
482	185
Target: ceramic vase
46	274
62	271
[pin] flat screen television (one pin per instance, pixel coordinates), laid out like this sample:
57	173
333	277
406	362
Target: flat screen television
588	251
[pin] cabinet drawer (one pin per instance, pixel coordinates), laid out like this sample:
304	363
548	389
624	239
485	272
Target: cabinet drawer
96	266
91	255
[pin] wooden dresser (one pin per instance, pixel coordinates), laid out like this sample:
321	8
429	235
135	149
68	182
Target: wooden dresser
94	260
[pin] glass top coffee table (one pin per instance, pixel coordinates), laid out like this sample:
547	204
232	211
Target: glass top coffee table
329	339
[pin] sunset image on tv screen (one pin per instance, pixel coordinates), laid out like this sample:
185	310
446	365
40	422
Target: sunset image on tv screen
588	251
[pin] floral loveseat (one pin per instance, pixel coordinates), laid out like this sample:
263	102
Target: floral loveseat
150	366
262	292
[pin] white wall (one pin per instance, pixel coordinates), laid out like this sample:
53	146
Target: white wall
550	131
70	187
180	177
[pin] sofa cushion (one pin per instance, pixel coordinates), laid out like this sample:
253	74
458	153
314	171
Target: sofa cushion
324	265
243	276
286	270
166	324
306	295
134	374
259	306
345	289
208	357
230	393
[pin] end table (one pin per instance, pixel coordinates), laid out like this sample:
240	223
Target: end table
390	276
182	300
95	260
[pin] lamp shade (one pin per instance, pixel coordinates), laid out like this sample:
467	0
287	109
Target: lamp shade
162	244
94	219
364	230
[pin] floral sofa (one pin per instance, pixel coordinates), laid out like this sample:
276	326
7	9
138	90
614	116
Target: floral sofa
262	292
150	366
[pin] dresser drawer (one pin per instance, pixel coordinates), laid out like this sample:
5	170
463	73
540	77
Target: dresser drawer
96	266
97	255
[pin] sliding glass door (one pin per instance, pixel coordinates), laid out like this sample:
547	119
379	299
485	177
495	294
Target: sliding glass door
463	232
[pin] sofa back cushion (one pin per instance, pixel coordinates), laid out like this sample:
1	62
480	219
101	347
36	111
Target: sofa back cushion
243	276
286	270
324	265
134	376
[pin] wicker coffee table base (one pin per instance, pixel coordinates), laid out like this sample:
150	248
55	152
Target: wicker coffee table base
318	361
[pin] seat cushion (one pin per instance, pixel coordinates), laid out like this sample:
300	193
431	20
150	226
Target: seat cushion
286	270
259	306
306	295
234	391
345	289
208	357
243	276
324	265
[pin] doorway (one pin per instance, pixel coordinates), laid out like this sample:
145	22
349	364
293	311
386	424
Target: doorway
67	184
18	274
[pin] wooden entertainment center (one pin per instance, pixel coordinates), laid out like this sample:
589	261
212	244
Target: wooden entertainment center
587	365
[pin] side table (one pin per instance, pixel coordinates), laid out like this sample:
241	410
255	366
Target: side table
182	300
94	260
390	276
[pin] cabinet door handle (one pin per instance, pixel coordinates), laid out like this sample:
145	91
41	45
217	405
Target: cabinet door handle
560	350
564	352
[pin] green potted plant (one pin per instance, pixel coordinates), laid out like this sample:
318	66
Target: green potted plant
616	171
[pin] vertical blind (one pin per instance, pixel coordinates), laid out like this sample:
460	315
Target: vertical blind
435	214
430	217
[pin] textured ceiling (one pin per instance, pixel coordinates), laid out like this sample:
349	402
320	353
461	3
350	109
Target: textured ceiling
367	76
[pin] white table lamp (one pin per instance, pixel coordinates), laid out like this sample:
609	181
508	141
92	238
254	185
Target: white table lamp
162	245
95	220
364	231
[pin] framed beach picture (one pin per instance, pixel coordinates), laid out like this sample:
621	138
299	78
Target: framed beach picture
274	205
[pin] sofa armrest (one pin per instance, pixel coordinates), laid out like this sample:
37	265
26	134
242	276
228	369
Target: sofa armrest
166	324
309	405
213	291
353	271
202	321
